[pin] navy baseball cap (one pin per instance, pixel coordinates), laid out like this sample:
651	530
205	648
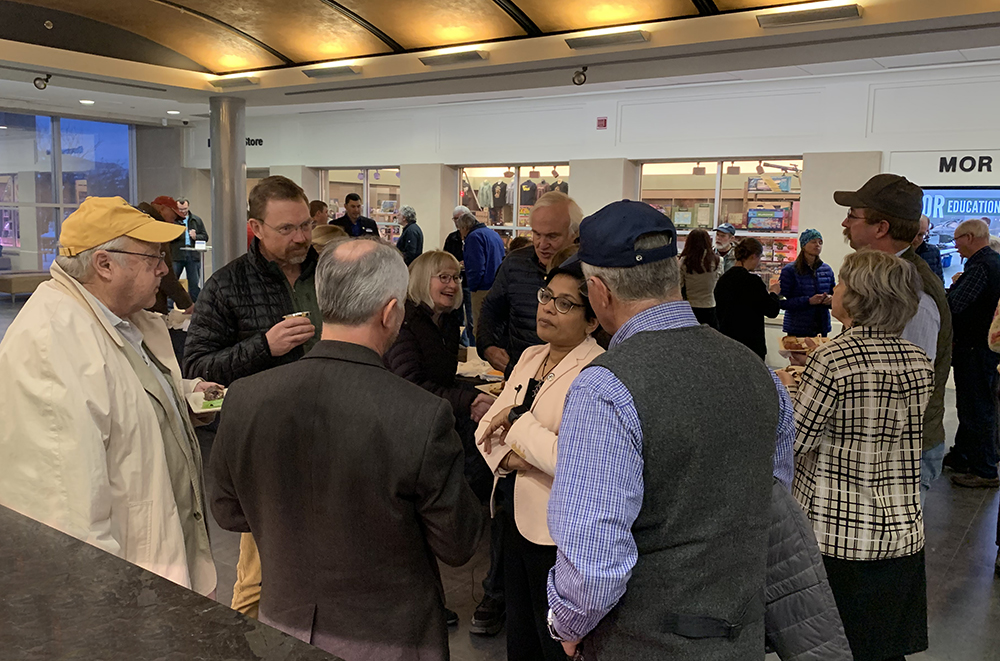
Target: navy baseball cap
726	228
607	238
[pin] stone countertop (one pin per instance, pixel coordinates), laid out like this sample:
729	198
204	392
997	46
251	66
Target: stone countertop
61	598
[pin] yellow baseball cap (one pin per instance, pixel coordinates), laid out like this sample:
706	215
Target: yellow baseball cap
101	219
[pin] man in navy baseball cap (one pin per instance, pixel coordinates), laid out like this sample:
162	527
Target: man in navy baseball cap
668	490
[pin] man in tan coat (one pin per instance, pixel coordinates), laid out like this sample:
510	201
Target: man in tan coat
97	439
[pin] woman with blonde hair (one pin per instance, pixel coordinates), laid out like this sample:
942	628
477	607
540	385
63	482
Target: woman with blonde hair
859	414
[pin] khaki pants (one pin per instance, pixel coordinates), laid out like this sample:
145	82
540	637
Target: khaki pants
246	592
477	305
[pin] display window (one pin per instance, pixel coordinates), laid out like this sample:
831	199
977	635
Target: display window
379	192
502	197
946	207
759	198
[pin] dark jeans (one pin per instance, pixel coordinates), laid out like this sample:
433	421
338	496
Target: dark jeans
976	400
192	263
706	316
468	335
526	569
493	584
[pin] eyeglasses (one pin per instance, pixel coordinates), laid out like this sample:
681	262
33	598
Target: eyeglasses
959	236
446	278
285	230
563	304
856	217
158	257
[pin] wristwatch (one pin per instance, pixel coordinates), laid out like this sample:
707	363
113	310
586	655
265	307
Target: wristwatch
551	623
514	415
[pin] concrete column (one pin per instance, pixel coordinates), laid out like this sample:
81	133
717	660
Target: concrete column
432	191
229	178
822	174
595	183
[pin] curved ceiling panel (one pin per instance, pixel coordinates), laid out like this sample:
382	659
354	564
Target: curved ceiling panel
587	14
211	45
433	23
730	5
303	30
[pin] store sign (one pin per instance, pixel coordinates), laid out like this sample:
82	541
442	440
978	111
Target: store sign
966	163
961	203
947	168
251	142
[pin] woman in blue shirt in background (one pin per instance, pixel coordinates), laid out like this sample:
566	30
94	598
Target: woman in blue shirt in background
807	289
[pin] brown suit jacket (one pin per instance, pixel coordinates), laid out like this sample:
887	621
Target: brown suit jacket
351	481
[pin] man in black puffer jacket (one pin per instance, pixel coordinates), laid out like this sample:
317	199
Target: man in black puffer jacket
238	328
506	324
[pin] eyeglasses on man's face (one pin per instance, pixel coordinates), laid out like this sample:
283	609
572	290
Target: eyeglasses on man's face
286	230
160	256
446	278
563	304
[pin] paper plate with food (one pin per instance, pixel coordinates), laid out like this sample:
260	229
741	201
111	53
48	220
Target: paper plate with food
209	399
492	389
802	344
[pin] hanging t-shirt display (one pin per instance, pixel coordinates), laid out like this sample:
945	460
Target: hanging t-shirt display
529	193
560	186
499	195
542	189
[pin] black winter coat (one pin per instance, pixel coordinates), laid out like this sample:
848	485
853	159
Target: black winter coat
428	356
507	319
238	305
177	252
741	302
802	622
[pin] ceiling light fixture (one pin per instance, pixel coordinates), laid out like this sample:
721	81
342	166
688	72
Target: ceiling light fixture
698	170
534	173
509	173
455	57
3	128
173	112
234	81
343	68
733	168
580	77
814	12
555	173
41	83
608	37
86	102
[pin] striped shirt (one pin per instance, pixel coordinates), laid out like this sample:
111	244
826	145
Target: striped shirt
598	488
859	413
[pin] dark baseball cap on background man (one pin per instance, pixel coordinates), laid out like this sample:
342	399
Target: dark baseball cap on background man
890	194
607	238
726	228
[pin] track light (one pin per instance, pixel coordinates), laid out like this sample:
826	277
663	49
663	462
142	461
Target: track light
733	169
41	83
698	170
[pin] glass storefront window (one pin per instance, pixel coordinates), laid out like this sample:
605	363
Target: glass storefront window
379	192
95	160
760	198
502	197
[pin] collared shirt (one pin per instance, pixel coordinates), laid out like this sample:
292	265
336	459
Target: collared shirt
600	461
860	414
925	325
971	285
133	336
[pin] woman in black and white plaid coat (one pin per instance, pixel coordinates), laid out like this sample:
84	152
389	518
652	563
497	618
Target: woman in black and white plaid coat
859	414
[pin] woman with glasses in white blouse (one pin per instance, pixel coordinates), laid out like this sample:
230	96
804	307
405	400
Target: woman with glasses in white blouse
859	413
518	438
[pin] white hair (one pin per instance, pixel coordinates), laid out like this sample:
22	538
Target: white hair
81	267
559	199
352	289
976	228
460	211
466	221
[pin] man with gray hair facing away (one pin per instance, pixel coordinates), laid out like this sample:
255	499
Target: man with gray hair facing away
411	240
657	489
350	509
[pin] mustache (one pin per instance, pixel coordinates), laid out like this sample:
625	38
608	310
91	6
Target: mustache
847	233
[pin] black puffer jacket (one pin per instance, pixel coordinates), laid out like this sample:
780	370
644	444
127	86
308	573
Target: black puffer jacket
238	305
428	356
802	621
507	319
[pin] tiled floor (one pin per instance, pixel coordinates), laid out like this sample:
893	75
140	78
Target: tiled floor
963	597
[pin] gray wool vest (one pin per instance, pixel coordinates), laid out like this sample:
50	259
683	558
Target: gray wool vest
709	415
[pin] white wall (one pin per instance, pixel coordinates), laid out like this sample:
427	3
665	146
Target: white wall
597	182
431	190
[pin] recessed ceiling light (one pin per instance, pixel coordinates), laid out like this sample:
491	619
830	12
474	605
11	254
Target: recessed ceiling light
86	102
173	112
455	57
338	69
599	38
3	128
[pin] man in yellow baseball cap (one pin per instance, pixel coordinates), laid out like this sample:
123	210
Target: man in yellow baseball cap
99	441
